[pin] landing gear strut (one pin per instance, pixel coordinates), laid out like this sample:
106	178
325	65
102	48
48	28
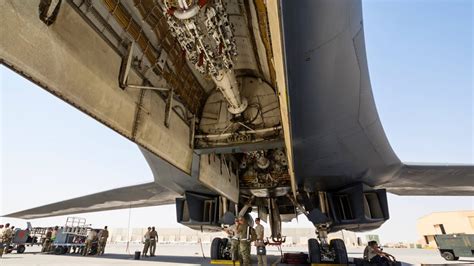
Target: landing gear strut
321	250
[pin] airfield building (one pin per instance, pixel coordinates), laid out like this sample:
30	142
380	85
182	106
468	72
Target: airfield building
184	235
438	223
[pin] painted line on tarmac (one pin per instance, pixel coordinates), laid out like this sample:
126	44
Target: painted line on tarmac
224	262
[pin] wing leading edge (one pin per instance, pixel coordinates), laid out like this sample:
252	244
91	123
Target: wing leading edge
142	195
441	180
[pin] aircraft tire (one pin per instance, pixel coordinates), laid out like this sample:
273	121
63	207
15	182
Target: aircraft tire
216	248
314	251
340	251
222	248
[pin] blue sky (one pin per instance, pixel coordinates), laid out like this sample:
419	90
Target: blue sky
420	61
421	64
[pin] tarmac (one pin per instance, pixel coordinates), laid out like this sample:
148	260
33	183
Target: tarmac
191	254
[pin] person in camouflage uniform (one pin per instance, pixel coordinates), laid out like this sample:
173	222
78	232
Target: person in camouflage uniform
153	240
260	243
91	237
146	242
103	235
1	241
246	235
234	240
5	237
47	240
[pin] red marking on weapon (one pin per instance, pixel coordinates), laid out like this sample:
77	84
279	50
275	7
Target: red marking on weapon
201	59
170	11
202	3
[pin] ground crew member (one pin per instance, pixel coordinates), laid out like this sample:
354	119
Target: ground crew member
146	242
234	240
7	235
91	237
373	254
53	237
260	244
153	239
54	234
103	235
47	240
246	235
1	241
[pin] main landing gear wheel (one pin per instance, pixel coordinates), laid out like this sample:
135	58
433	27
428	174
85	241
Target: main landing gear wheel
223	250
340	252
314	251
216	248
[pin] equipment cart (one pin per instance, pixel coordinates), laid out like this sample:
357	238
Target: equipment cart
71	238
27	237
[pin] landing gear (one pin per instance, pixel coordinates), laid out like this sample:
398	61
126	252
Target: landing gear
215	248
314	251
220	249
323	251
340	252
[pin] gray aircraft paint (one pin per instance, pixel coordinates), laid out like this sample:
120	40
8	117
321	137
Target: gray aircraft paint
337	135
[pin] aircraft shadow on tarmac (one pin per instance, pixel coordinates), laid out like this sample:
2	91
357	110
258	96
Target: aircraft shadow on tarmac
157	258
271	259
171	259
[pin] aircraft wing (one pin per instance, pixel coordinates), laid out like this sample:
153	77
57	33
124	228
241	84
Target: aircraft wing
148	194
336	133
447	180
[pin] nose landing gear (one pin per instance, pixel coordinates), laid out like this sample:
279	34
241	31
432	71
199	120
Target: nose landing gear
322	251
